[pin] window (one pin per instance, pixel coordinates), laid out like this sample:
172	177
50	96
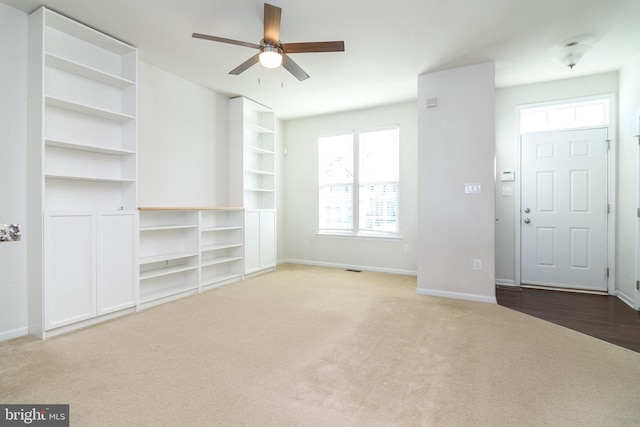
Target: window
359	176
565	116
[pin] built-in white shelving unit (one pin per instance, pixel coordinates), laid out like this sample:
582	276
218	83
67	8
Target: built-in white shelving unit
169	255
82	145
184	251
221	246
252	179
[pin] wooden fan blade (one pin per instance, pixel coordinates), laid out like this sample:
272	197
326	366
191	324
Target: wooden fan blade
272	16
336	46
246	64
223	40
293	68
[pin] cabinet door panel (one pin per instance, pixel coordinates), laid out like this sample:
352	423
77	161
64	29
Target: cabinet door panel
252	241
267	239
69	268
116	261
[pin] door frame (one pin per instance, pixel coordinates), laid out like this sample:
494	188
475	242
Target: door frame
611	182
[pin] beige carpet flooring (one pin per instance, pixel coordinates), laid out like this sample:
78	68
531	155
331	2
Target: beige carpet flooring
311	346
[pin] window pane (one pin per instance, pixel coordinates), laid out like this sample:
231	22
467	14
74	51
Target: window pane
379	155
561	118
590	115
336	207
379	207
335	155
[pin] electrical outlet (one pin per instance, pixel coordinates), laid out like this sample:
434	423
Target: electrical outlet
406	249
477	264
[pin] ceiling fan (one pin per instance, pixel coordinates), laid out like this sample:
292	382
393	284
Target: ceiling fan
273	53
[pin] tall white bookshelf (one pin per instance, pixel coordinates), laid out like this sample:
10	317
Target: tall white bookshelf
252	179
82	173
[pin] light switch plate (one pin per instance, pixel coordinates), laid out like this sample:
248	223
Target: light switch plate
472	188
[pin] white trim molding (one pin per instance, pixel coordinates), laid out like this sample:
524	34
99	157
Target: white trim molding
457	295
349	266
14	333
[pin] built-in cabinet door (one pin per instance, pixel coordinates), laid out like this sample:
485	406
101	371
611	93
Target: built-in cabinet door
69	268
116	261
259	240
267	238
251	241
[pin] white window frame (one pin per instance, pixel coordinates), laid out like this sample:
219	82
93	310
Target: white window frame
355	230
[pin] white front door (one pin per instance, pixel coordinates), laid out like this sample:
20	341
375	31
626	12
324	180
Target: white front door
564	209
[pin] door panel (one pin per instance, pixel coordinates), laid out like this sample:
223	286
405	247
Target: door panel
116	261
564	209
69	268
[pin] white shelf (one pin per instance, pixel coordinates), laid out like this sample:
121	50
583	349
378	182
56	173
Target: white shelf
168	227
73	67
260	190
165	271
89	178
257	128
87	109
167	257
87	147
219	260
219	278
203	229
258	150
220	246
149	296
259	172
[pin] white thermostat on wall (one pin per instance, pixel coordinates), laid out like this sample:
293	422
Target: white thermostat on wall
507	176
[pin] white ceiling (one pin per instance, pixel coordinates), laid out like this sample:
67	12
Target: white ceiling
387	44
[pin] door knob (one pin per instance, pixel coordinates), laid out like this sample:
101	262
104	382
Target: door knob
527	220
527	210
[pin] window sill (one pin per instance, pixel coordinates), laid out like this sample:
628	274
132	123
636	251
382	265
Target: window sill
360	235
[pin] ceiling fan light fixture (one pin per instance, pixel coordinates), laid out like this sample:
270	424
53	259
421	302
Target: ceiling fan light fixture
270	57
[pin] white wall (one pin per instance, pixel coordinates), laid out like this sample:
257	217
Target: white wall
507	101
182	145
456	146
301	242
627	203
13	141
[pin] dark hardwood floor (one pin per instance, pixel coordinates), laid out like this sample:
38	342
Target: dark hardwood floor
600	316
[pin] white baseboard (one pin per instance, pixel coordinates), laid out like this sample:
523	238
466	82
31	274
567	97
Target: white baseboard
626	299
506	282
456	295
15	333
349	266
